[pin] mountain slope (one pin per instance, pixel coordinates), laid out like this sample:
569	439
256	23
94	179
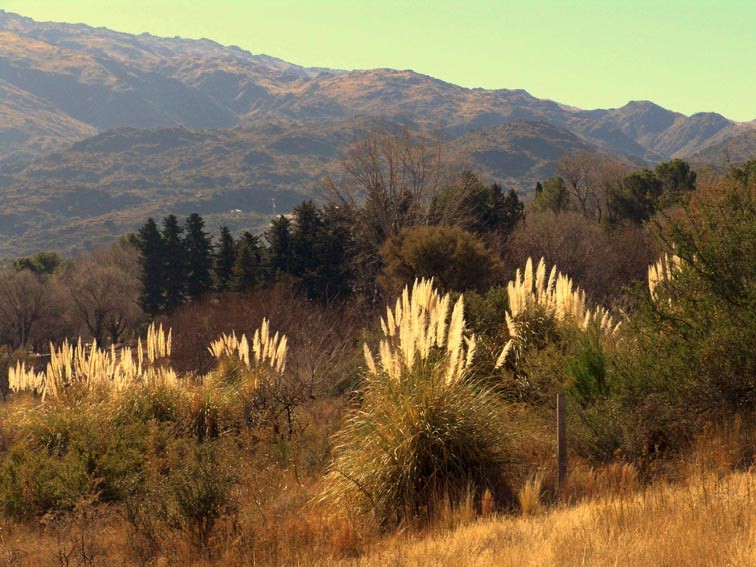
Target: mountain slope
85	78
735	149
100	129
106	185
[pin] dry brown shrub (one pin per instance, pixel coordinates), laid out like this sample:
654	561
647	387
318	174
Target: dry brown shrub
601	261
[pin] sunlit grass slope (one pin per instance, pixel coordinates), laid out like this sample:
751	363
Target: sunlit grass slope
708	521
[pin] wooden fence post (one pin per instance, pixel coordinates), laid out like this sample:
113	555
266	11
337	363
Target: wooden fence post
561	441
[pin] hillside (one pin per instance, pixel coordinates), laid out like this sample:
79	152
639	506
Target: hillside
100	129
732	150
109	184
74	79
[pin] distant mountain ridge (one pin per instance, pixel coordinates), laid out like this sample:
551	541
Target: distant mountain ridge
95	79
100	129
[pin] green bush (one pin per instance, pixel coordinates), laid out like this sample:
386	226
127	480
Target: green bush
34	482
68	451
587	369
190	490
457	260
696	333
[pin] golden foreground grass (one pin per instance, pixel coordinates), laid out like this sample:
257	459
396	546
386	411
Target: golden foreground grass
707	521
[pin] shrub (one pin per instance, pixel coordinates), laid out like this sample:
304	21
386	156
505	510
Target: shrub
695	331
190	492
424	434
600	260
33	483
201	490
111	453
454	258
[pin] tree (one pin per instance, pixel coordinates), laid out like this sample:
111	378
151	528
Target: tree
389	176
456	259
246	271
575	170
589	179
40	263
338	252
279	241
225	259
306	243
25	299
477	207
104	290
387	181
637	198
461	203
174	263
677	179
199	259
320	257
150	246
551	196
509	208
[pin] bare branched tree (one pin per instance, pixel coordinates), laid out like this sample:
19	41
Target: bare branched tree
104	289
386	181
575	170
25	300
388	177
589	179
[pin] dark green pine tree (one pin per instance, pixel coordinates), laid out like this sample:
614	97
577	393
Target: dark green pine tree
174	263
337	251
199	257
320	259
248	262
150	245
279	241
512	210
224	260
306	243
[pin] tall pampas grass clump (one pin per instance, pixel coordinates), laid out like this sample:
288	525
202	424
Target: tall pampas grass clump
76	369
534	295
424	434
248	383
265	350
661	273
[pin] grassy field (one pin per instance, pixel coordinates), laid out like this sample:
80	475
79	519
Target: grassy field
705	521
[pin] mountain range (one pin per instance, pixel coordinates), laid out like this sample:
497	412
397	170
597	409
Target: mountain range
99	129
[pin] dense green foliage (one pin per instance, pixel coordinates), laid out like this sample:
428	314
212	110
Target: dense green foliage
551	195
225	259
456	259
150	245
40	263
199	260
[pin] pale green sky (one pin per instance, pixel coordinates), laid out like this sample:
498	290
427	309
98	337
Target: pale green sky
687	55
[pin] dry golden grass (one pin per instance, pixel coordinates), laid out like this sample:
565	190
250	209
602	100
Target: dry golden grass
710	520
